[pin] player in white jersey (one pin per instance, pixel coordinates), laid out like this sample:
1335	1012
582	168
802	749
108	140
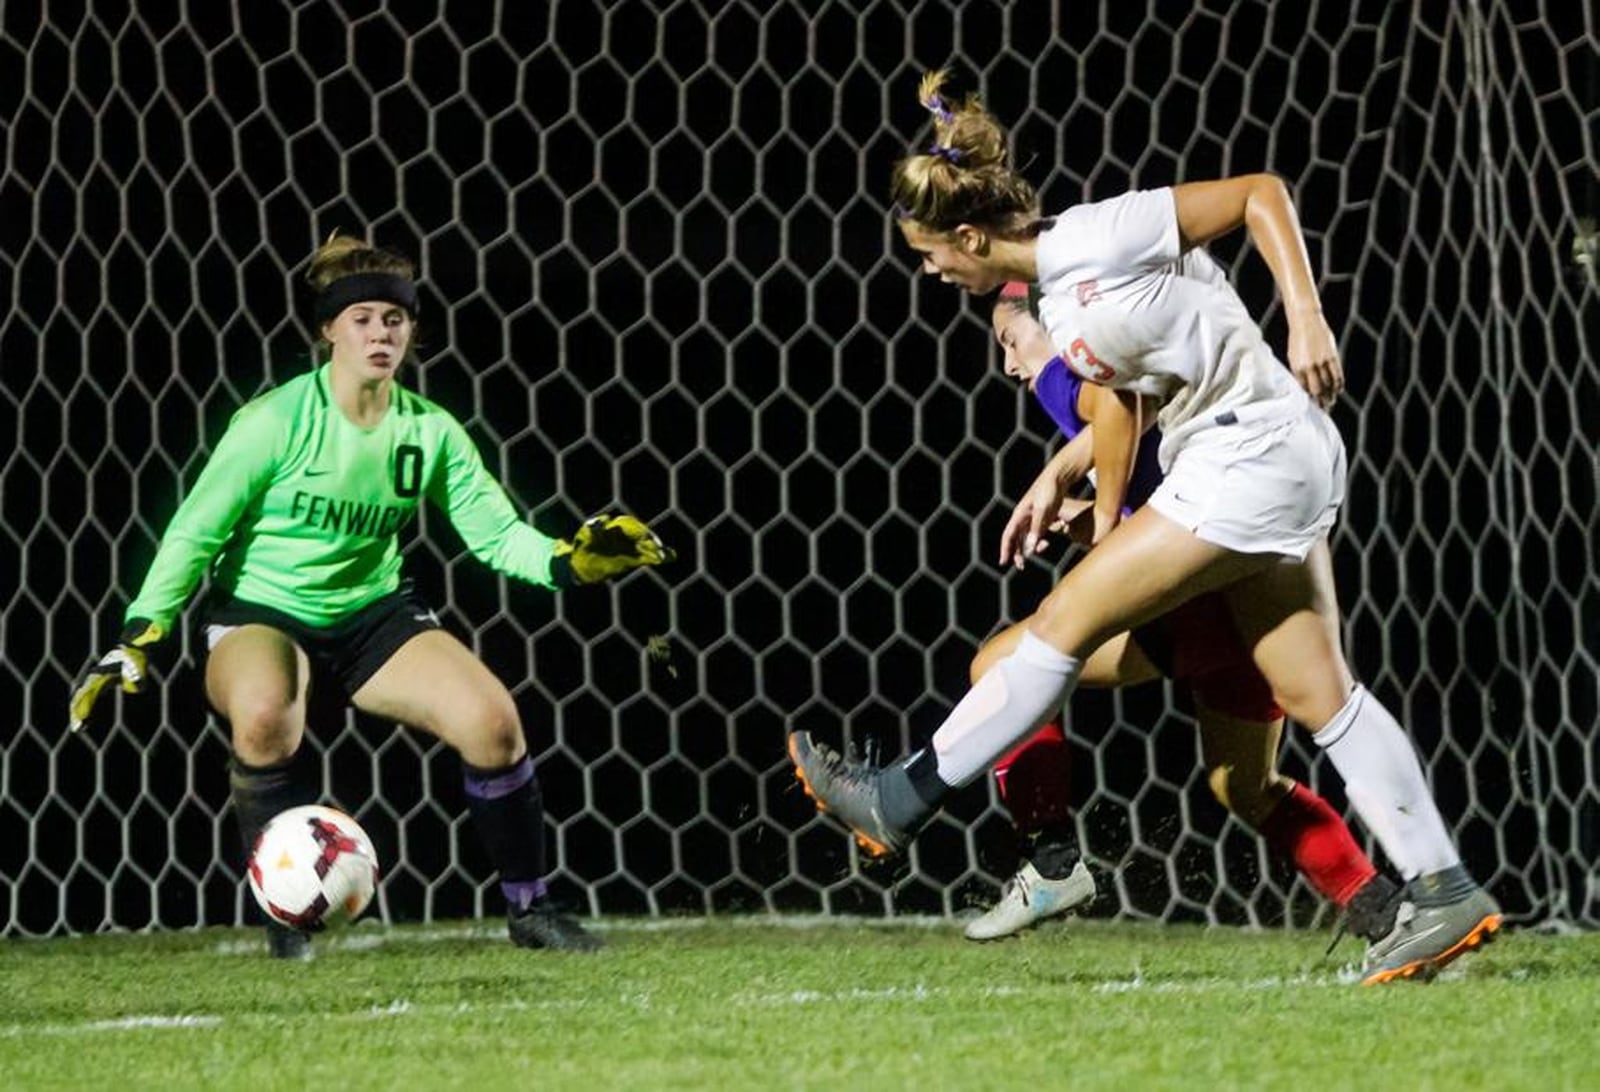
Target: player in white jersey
1254	476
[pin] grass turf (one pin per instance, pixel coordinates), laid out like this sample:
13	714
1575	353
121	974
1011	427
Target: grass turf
776	1003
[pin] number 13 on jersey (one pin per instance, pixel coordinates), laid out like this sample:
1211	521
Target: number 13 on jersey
1081	359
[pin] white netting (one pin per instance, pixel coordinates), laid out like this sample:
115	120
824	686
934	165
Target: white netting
660	272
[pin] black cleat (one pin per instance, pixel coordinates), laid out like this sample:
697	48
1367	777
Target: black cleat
1373	908
543	926
286	943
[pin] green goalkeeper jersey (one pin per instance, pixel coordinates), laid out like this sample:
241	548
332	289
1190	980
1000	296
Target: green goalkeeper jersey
299	508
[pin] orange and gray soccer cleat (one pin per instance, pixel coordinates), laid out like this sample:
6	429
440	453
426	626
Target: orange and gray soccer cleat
1429	935
849	790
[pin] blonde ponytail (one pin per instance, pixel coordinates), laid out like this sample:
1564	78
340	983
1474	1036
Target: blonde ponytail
964	174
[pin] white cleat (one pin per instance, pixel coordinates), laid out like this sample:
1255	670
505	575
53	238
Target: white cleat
1028	898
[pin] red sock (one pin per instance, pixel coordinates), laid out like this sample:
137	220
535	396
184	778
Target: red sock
1304	829
1035	780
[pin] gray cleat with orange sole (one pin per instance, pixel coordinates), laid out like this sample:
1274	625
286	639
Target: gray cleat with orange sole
848	790
1441	917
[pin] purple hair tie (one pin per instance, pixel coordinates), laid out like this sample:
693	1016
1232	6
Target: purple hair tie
940	110
946	153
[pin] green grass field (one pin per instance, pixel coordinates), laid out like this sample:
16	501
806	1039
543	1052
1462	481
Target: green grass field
781	1003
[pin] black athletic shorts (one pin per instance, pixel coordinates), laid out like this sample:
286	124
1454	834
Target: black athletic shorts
350	651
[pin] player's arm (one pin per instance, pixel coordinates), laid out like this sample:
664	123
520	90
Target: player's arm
1041	505
238	470
1072	463
1118	423
479	510
1262	205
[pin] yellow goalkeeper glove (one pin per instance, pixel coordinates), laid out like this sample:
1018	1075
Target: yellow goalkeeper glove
126	662
604	547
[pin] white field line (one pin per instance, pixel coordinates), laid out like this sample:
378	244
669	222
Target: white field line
363	938
918	994
1137	983
124	1023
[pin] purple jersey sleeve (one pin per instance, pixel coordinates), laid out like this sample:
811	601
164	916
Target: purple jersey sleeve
1057	391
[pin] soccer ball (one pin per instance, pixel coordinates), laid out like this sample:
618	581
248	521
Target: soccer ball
313	868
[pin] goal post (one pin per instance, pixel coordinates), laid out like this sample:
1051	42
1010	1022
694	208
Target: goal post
659	272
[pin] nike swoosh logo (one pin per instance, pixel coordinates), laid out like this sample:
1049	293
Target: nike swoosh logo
1424	933
314	473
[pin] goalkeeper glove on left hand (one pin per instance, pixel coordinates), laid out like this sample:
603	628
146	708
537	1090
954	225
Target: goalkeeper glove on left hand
126	662
604	547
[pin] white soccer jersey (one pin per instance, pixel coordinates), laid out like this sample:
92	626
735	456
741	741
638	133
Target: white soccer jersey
1127	308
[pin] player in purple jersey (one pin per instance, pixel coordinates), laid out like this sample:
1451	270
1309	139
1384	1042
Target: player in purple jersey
295	519
1254	478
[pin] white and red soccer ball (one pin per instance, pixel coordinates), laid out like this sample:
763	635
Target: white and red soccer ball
313	868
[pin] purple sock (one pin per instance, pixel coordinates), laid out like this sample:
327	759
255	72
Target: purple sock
522	894
508	810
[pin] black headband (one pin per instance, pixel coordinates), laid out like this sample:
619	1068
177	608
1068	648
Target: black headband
362	288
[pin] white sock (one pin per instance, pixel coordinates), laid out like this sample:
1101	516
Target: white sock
1384	781
1013	698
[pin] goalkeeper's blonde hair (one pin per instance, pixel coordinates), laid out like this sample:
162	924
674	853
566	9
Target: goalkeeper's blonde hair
343	255
964	175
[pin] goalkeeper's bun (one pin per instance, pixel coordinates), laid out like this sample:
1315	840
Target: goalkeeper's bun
343	255
963	174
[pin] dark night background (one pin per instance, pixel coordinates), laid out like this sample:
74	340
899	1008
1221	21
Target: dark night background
660	274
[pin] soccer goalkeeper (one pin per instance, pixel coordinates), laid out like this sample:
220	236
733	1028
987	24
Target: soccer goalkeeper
296	518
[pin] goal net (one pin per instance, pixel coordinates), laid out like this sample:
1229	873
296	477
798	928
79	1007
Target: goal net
660	274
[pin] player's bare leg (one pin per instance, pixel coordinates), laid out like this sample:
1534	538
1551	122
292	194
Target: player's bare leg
1145	567
1034	780
435	683
1288	614
257	680
1241	760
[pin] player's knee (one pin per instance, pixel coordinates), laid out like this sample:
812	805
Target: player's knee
265	731
992	651
488	731
1314	694
1313	706
1062	621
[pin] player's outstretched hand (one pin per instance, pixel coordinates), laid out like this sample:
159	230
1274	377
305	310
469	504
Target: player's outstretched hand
126	663
1044	508
604	547
1024	533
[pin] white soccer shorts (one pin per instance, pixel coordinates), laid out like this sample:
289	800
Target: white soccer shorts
1266	488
